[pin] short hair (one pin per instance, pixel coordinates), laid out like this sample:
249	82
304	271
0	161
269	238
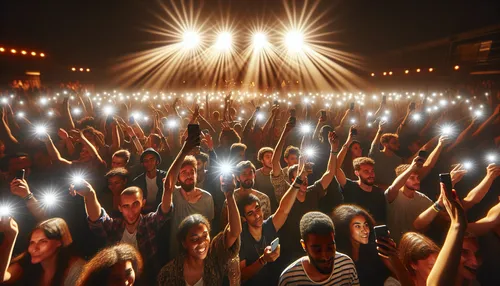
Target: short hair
315	223
124	154
155	139
387	137
237	147
87	121
244	201
132	191
120	172
356	163
401	168
414	247
292	169
202	157
98	269
189	222
244	165
190	161
291	150
263	151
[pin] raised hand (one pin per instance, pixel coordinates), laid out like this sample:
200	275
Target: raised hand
83	188
20	188
334	141
457	174
227	184
386	247
453	206
493	171
207	140
269	256
9	227
62	134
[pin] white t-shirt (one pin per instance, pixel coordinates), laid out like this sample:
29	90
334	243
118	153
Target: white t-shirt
152	190
130	238
199	283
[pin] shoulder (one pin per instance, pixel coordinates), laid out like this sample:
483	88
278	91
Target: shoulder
260	195
205	194
162	173
140	177
343	262
422	196
170	272
293	273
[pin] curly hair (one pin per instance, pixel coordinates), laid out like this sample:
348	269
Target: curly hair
315	223
98	269
342	217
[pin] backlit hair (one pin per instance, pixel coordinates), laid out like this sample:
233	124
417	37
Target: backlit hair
120	172
241	166
387	137
263	151
291	150
401	168
414	247
132	191
124	154
190	161
356	163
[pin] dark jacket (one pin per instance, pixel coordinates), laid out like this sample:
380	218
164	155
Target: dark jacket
140	181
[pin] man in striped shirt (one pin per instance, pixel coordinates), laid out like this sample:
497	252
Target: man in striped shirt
323	265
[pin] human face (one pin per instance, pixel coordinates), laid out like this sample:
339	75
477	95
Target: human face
292	160
360	230
197	241
118	162
241	155
131	206
149	162
469	262
356	150
366	174
393	144
424	266
116	184
122	274
200	165
413	182
247	178
42	248
267	160
321	251
85	154
187	178
303	187
253	215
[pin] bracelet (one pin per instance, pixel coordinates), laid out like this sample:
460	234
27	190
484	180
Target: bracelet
298	181
437	207
262	261
28	197
334	152
296	187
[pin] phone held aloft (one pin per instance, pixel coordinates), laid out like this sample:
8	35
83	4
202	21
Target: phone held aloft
194	133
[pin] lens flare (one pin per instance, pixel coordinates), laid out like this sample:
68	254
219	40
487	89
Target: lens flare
224	42
294	41
190	39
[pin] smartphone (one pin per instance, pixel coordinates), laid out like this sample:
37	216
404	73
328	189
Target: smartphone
293	112
20	174
109	119
412	105
445	178
276	102
381	231
293	121
131	120
227	179
423	154
194	133
323	114
275	243
384	99
354	132
351	106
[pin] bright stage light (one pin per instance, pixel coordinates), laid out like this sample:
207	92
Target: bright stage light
224	41
77	111
310	152
259	41
294	41
417	117
260	116
40	129
20	114
172	123
108	110
190	39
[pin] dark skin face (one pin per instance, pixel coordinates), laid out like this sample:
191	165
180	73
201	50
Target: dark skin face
321	250
197	241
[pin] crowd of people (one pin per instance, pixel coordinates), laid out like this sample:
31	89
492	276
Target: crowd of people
302	189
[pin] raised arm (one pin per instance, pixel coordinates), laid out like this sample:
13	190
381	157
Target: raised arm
461	137
392	192
53	152
10	230
92	150
66	114
345	148
232	209
376	141
402	125
487	122
487	223
279	148
92	205
445	270
329	174
21	189
431	161
424	220
175	168
478	193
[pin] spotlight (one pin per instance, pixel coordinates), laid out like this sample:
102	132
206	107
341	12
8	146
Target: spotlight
43	101
33	53
5	100
190	39
259	41
478	113
224	41
373	74
431	69
407	71
294	40
21	114
50	113
353	120
418	70
172	123
225	168
77	179
457	67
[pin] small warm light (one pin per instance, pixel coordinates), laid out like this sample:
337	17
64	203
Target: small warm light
73	69
431	69
88	70
385	73
23	52
13	51
373	74
2	50
418	70
81	69
407	71
33	53
390	73
42	55
457	67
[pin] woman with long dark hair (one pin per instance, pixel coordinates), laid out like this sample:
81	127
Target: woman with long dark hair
49	259
120	264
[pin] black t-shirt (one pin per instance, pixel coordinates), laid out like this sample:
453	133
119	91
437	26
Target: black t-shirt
371	270
291	249
251	250
374	202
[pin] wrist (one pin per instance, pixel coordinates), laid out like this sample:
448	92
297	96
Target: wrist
28	196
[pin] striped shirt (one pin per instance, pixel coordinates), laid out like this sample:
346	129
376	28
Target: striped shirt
344	273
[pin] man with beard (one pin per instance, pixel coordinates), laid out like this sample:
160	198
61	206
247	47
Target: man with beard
363	192
262	175
385	172
257	258
187	199
404	201
245	175
323	265
133	228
